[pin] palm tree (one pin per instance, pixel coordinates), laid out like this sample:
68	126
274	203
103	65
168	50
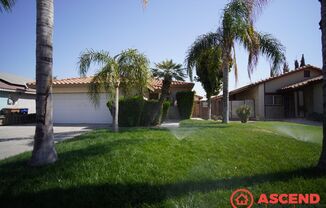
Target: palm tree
205	55
127	70
44	151
6	5
168	71
322	160
237	26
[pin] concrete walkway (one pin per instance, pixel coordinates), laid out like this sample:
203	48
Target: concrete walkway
18	139
304	121
170	124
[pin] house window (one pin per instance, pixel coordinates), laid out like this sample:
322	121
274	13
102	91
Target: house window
306	73
273	100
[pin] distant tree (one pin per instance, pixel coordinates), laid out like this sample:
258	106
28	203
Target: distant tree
286	67
296	64
205	55
6	5
128	70
302	61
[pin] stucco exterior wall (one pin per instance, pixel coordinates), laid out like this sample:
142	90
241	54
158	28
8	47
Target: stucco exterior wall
253	94
260	103
318	98
276	84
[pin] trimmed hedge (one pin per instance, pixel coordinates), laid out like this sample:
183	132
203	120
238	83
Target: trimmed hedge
185	100
130	111
136	111
149	110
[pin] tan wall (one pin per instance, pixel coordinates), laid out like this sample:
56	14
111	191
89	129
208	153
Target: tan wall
308	93
276	84
255	93
260	103
318	98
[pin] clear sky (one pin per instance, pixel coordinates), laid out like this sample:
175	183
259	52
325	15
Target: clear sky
164	30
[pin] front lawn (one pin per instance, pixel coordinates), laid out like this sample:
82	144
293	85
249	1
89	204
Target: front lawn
197	165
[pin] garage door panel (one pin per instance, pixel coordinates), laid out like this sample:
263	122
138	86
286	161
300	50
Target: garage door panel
77	108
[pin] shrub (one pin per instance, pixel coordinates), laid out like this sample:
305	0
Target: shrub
136	111
244	112
185	100
130	111
148	117
166	106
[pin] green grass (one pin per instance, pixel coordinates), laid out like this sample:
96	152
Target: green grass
197	165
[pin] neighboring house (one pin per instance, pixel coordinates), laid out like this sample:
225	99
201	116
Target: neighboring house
71	103
15	94
295	94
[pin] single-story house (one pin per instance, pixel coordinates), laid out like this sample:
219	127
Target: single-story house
71	103
15	94
295	94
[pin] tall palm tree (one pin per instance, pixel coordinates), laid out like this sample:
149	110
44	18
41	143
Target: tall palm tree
205	55
237	26
6	5
44	151
167	71
127	70
322	160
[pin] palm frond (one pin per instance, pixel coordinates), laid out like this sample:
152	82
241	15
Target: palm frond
168	69
100	83
201	44
90	56
273	50
6	5
255	7
134	70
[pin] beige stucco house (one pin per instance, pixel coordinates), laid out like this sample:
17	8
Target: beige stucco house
71	103
294	94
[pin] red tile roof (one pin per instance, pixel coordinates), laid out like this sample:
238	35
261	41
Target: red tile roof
156	84
303	83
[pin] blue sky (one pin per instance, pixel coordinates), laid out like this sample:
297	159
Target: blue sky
164	30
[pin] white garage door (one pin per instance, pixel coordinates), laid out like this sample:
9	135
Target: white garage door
77	108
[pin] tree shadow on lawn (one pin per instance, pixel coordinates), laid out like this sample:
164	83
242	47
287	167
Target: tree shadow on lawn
18	173
138	194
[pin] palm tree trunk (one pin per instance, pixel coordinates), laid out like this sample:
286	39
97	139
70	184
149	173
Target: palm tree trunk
116	115
226	105
322	160
44	151
209	101
164	94
225	95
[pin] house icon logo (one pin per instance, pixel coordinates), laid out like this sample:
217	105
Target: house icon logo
242	198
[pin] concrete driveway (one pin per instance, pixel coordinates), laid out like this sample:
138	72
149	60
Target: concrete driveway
18	139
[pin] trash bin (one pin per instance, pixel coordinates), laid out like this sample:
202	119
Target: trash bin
23	111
